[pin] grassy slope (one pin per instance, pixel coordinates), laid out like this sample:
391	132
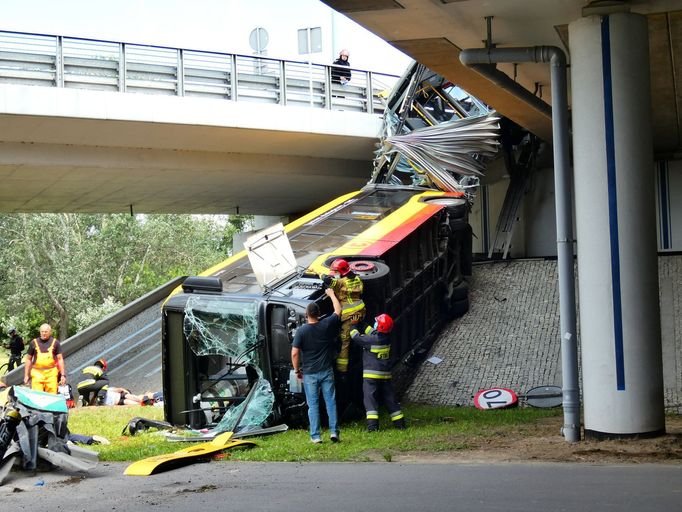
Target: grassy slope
431	429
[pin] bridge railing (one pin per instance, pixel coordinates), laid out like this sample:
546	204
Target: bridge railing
58	61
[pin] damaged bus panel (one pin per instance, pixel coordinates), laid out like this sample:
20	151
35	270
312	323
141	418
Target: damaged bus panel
224	333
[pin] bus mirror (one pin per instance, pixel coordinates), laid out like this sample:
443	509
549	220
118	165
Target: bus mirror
202	284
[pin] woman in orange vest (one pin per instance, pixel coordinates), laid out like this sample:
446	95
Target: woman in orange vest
44	363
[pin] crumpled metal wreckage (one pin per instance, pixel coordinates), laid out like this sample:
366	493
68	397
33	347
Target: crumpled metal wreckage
33	427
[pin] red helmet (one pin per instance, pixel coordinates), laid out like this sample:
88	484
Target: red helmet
340	266
103	363
384	323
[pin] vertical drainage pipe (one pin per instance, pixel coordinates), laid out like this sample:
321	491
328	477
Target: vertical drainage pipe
481	60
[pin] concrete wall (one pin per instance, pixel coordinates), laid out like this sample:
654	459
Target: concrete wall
510	337
534	234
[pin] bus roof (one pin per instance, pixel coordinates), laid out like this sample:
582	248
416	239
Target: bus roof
364	223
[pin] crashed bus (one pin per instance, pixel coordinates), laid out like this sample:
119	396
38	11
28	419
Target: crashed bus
227	334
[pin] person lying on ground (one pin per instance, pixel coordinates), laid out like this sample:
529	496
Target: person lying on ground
121	396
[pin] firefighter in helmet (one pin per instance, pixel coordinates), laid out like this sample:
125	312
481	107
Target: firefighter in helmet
94	382
377	383
347	287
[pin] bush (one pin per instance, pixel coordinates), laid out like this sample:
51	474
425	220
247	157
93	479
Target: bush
94	314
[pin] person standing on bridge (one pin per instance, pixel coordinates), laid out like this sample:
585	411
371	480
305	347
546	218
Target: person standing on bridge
341	69
44	363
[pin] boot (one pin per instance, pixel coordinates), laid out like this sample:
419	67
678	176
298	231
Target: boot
372	425
400	424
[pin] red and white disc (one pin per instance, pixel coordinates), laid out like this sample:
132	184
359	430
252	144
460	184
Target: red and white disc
495	398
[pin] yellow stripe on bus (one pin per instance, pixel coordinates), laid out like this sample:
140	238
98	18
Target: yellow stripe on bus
287	229
376	232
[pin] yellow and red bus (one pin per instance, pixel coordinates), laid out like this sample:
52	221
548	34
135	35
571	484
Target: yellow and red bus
410	245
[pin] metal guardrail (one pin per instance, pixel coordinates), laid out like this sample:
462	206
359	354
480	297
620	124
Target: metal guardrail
58	61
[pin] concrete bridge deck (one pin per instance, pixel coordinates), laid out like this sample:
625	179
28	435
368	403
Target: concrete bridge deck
99	126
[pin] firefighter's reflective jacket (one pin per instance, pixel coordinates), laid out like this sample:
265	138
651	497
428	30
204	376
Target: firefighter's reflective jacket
376	353
91	375
349	292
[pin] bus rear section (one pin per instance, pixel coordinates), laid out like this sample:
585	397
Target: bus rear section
410	246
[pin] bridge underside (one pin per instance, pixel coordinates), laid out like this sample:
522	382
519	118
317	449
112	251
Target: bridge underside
86	151
434	32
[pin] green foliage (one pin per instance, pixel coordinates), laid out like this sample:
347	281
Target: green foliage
431	429
71	269
95	313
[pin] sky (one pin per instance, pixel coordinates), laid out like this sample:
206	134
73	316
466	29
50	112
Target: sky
215	25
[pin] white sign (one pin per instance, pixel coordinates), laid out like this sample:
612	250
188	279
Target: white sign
495	398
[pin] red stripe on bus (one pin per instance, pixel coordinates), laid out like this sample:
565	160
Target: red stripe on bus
395	236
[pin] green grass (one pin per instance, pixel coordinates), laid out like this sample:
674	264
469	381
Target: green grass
431	429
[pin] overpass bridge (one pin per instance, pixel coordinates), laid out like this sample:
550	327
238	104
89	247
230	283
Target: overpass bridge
102	126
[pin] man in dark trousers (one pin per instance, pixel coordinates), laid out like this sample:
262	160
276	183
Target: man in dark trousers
377	383
94	383
16	347
312	356
348	288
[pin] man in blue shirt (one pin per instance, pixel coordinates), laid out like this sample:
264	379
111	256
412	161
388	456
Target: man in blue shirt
312	356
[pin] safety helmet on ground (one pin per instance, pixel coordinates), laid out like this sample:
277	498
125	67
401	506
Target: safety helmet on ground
340	266
102	362
11	330
384	323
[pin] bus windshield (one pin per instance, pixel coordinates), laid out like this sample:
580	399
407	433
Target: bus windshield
215	326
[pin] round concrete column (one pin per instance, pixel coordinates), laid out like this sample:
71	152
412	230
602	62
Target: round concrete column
616	230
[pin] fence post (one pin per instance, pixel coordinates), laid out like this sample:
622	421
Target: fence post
59	62
282	83
122	71
328	86
180	72
310	82
233	79
370	93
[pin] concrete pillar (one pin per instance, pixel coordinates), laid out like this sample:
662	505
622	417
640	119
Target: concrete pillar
616	227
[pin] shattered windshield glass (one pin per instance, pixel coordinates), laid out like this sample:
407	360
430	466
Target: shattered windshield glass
220	327
224	333
258	405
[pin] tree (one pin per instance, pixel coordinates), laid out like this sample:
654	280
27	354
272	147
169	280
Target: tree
65	264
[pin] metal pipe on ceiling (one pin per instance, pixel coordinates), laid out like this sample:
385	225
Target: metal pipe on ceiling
482	60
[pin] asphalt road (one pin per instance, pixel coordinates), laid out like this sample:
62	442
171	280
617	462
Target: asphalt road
371	487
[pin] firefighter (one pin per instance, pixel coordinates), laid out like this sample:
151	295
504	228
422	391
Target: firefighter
44	363
94	382
377	383
347	287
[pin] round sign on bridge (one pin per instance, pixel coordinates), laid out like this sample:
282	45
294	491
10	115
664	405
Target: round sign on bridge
495	398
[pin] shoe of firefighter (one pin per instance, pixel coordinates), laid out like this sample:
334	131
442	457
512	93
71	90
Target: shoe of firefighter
372	425
400	424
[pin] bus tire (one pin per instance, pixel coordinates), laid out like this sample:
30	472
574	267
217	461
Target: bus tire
376	287
458	212
460	292
466	264
459	308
